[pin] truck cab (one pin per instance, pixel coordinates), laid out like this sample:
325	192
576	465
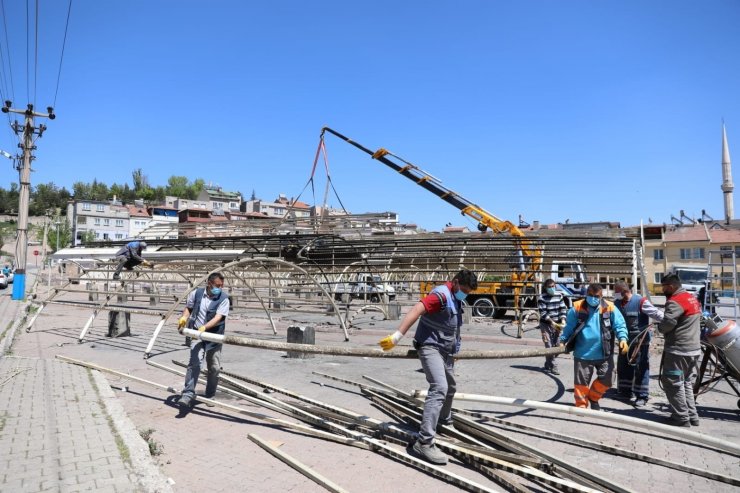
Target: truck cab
692	277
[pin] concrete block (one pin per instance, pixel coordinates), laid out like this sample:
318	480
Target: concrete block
394	310
467	316
119	324
301	335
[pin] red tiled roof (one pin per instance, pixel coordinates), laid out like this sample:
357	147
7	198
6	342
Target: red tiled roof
137	211
725	236
686	233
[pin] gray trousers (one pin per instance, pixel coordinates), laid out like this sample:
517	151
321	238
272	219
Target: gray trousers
551	338
213	362
678	377
438	369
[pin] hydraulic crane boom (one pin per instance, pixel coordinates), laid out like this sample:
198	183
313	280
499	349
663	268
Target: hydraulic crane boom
425	180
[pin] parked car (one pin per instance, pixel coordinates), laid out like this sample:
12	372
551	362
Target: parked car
3	281
10	275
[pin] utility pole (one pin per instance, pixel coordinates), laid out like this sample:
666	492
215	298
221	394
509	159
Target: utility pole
24	168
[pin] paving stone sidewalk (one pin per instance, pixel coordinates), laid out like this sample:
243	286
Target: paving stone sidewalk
62	429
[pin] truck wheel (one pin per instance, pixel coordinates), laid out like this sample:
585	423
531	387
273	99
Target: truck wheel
499	313
375	298
483	307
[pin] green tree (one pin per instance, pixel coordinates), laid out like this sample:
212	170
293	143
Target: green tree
88	237
82	191
63	231
178	186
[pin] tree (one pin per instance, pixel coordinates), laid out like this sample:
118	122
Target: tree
88	237
178	186
141	182
64	231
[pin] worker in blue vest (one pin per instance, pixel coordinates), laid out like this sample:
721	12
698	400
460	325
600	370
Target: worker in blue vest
129	256
591	327
437	339
207	309
633	368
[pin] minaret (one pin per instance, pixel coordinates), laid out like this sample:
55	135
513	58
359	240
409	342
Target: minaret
727	186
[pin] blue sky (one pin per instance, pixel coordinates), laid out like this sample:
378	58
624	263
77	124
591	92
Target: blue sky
579	110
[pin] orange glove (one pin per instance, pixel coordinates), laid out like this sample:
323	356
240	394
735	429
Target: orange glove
389	342
623	347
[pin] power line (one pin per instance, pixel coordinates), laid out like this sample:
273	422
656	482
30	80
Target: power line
36	54
28	49
61	59
7	47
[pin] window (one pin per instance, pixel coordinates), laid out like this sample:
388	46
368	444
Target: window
106	222
691	253
100	208
119	236
658	254
105	236
233	205
217	205
81	219
85	206
97	221
658	276
119	223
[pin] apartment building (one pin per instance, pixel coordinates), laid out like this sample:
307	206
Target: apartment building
218	199
103	220
139	219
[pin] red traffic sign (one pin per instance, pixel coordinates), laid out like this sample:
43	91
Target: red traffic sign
35	252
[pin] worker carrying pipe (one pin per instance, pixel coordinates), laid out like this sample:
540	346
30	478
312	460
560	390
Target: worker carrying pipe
591	327
207	309
437	339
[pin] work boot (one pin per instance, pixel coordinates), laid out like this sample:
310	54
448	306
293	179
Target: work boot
594	405
694	421
554	370
442	424
185	402
429	453
676	421
116	277
640	402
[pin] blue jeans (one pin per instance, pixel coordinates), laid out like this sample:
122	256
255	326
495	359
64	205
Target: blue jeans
213	362
438	369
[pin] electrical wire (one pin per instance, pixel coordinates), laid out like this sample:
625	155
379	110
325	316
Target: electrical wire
36	55
7	47
61	59
28	42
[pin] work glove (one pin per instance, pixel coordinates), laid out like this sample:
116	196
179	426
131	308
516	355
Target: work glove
148	264
389	342
181	324
623	347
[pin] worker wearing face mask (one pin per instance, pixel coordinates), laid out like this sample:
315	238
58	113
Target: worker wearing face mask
437	339
205	309
552	320
633	368
591	327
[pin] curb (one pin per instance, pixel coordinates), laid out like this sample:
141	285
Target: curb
148	475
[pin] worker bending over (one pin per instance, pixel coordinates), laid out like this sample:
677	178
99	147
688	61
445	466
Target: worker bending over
591	327
129	256
437	339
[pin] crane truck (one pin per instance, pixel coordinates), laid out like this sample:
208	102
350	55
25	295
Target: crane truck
493	297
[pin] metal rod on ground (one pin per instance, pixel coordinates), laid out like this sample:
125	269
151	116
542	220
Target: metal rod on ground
285	424
298	466
576	411
361	352
344	380
575	483
383	449
569	471
600	447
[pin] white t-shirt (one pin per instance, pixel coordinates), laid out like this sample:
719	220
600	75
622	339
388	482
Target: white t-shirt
200	317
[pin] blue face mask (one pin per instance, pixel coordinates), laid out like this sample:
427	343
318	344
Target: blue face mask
592	300
460	295
215	291
550	291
